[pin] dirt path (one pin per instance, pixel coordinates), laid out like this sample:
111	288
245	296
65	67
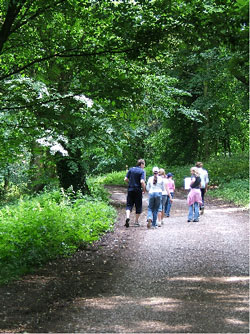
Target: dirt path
181	278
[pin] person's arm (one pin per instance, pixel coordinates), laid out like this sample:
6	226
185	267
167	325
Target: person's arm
168	191
148	185
206	181
126	178
143	185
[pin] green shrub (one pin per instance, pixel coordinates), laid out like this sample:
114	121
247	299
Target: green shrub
224	169
36	230
97	189
114	178
236	191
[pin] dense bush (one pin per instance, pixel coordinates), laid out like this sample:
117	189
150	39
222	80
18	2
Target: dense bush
225	169
36	230
114	178
236	191
96	188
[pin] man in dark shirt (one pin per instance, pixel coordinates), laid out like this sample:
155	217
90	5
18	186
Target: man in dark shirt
136	186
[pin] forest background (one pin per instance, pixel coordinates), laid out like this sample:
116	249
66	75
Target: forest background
87	87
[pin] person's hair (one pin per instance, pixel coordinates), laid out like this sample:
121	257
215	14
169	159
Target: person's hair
199	164
155	178
195	171
140	162
162	172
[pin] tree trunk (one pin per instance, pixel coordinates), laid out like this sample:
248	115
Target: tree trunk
71	172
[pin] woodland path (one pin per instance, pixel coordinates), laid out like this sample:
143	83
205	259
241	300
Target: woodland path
181	278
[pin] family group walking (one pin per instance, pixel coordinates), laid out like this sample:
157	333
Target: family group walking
161	187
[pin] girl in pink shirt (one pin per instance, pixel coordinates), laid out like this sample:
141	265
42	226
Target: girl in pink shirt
171	187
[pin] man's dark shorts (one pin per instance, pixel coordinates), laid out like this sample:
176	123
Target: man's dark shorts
134	197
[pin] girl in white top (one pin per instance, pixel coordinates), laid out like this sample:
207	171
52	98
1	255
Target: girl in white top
165	194
155	187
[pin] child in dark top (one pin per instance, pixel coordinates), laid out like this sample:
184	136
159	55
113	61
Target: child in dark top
194	196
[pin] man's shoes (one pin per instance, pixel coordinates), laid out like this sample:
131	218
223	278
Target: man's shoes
127	222
137	224
149	223
189	221
195	220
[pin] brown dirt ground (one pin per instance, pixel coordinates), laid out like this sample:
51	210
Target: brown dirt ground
39	302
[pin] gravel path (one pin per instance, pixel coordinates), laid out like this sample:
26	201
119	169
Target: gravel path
181	278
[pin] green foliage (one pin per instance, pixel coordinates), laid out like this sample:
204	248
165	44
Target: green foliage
114	178
225	169
97	191
236	191
167	81
45	227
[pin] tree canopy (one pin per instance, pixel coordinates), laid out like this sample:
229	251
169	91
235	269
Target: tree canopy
89	86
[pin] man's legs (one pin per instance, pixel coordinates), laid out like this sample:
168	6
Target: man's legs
138	206
202	197
134	198
137	216
127	218
129	207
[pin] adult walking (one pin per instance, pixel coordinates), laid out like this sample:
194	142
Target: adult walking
155	187
135	178
204	182
194	195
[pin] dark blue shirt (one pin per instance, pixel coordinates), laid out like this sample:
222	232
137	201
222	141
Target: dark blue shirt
135	175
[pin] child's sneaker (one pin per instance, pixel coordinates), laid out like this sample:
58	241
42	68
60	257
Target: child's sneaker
149	223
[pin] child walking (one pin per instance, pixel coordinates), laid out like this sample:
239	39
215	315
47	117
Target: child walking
171	187
194	196
165	195
155	186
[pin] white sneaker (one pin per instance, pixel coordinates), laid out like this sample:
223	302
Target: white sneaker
158	224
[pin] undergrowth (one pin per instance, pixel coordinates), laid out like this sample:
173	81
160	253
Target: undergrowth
38	229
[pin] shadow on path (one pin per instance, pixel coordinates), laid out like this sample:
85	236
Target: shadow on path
181	278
